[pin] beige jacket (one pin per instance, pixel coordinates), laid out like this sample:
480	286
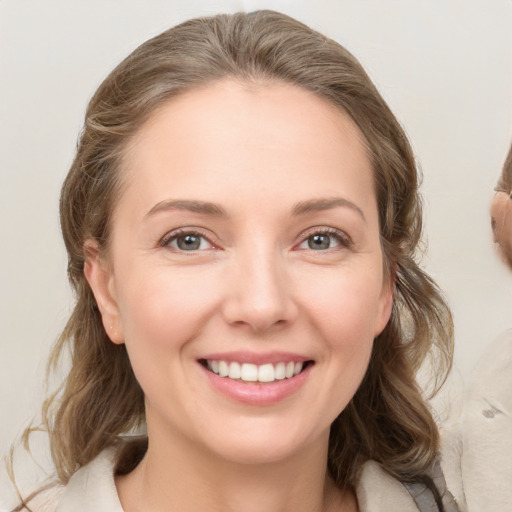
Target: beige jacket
92	489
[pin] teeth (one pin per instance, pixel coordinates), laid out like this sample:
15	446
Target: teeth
223	369
249	372
254	373
266	373
289	370
280	371
234	371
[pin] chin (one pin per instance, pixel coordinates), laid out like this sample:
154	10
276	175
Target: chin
246	452
264	442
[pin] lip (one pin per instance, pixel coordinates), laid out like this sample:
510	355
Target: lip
256	393
255	358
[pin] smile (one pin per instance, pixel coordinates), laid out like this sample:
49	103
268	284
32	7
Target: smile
256	379
248	372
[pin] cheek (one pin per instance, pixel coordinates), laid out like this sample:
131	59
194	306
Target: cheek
161	314
345	310
345	306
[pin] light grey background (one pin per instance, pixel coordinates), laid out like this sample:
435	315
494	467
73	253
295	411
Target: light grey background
445	67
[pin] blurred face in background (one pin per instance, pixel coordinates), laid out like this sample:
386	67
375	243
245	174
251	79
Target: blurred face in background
501	222
501	213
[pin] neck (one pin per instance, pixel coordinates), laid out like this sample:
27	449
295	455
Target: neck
182	476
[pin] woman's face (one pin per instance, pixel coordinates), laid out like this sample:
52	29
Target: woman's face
245	241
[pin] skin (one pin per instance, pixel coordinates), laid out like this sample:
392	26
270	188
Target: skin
501	221
264	154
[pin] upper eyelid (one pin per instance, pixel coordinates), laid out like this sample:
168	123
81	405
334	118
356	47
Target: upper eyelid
173	234
342	235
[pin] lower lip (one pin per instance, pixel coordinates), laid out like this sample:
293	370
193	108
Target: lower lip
257	393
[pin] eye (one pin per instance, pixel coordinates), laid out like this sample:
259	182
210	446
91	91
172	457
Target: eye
324	240
187	241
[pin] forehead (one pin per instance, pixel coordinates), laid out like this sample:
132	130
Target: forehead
253	137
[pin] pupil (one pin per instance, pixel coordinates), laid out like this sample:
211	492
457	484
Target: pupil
189	242
319	242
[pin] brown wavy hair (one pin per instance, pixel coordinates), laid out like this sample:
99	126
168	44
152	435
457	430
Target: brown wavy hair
388	419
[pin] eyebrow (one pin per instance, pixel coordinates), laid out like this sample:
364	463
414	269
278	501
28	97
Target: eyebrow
318	205
201	207
214	210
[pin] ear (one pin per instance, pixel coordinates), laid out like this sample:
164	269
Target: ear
100	277
385	302
501	222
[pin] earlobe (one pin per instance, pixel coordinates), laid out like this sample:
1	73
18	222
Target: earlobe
101	280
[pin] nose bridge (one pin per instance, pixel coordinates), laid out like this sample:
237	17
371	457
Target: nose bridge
261	294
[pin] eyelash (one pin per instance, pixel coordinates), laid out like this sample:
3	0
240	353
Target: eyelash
343	239
174	235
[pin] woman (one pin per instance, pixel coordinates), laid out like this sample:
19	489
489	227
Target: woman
241	220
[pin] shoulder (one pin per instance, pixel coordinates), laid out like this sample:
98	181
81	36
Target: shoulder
487	427
92	487
378	491
492	375
39	489
45	500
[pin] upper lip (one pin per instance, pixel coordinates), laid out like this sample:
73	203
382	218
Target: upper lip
256	358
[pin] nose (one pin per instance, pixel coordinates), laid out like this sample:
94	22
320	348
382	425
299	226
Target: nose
260	295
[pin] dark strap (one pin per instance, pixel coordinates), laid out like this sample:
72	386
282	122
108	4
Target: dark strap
424	493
